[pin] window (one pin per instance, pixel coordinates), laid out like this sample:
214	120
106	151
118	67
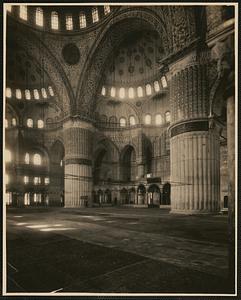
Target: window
44	94
54	20
139	91
46	180
164	82
122	122
103	91
18	94
27	158
36	94
27	94
51	92
61	163
95	15
82	20
36	180
9	198
27	199
30	123
147	119
112	92
132	121
148	89
14	122
40	124
26	179
168	116
69	22
8	156
122	93
37	159
23	12
9	7
131	93
156	86
158	119
106	9
37	198
39	17
6	123
8	93
6	179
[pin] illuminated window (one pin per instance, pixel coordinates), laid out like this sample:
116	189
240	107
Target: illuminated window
61	163
147	119
8	156
51	92
30	123
36	180
112	92
122	93
27	199
23	12
122	122
39	17
168	117
37	198
164	82
6	179
44	93
95	14
6	123
140	91
27	94
9	7
26	179
158	119
148	89
156	86
131	93
14	122
82	20
37	159
46	180
18	94
8	93
132	121
106	9
69	22
36	94
40	124
54	20
103	91
27	158
9	198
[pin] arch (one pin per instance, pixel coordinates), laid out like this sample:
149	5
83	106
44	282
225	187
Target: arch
141	194
57	152
128	164
154	195
166	194
124	196
113	121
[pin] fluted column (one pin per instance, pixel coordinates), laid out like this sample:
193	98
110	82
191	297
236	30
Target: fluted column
194	144
78	138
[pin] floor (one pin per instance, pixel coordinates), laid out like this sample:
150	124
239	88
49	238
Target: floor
115	250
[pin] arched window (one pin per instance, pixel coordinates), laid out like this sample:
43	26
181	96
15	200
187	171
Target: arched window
6	123
103	91
168	117
148	89
164	82
27	94
54	20
82	20
51	92
8	92
23	12
122	93
14	122
103	119
39	17
95	15
122	122
131	93
69	22
8	156
132	121
36	94
158	119
36	180
106	9
147	119
46	180
112	91
18	94
113	121
27	158
156	86
140	91
37	159
44	94
40	124
30	123
26	179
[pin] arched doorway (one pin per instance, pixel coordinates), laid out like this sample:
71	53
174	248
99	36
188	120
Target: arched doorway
141	194
124	196
100	197
166	194
98	166
107	198
128	164
132	196
154	196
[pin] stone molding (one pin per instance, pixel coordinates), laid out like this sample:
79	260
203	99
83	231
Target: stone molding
201	125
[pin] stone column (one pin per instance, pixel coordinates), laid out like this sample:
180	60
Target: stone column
194	146
78	138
